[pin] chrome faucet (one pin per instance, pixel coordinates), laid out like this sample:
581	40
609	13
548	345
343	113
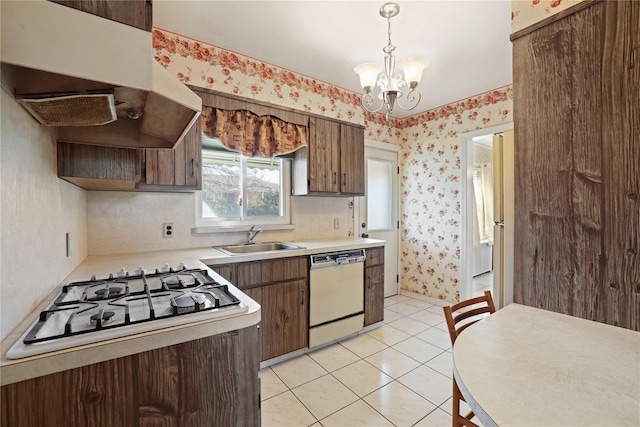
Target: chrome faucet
251	234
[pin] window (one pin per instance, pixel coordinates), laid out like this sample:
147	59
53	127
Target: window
240	190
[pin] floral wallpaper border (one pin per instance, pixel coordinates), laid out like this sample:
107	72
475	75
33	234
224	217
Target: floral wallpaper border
211	67
527	12
430	146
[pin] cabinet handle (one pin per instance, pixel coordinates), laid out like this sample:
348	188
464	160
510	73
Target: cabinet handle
193	169
302	297
344	178
334	177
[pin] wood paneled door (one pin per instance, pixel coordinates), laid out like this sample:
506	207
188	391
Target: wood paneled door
577	163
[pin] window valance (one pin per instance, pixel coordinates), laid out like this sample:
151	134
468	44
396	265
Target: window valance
253	135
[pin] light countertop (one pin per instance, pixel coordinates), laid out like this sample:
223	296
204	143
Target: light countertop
523	366
102	265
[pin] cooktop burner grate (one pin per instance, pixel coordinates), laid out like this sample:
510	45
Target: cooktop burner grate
89	306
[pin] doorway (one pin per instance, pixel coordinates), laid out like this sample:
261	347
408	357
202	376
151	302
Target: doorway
377	213
490	245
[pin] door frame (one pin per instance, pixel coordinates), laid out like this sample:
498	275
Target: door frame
466	202
369	143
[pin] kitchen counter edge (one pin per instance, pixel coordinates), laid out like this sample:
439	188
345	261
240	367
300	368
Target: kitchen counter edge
15	370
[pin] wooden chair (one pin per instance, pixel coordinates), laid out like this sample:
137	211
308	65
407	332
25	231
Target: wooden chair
459	317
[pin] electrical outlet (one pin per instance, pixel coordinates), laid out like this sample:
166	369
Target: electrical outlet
167	230
336	223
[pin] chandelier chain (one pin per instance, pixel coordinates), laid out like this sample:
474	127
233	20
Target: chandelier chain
389	48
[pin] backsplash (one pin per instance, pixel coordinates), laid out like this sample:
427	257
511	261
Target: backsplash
38	209
132	222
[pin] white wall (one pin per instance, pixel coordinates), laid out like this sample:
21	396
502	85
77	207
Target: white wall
132	222
37	210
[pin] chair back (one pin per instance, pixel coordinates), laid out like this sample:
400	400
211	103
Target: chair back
465	313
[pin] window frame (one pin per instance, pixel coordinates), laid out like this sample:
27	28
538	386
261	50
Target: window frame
282	221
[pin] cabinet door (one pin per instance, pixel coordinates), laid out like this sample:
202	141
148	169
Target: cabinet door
373	294
284	318
177	169
295	311
228	271
324	156
351	160
256	295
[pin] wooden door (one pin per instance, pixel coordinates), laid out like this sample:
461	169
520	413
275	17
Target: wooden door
351	160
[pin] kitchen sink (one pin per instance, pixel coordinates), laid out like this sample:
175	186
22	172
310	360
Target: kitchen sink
257	247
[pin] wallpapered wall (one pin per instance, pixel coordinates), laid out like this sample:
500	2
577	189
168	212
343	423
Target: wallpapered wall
527	12
430	145
431	183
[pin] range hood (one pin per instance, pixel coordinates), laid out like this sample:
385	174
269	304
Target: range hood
93	79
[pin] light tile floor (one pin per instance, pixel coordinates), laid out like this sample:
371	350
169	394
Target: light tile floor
481	283
395	375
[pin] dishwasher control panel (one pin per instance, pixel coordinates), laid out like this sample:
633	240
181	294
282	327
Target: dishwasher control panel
337	258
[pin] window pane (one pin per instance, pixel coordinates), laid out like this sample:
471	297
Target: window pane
379	195
221	186
263	188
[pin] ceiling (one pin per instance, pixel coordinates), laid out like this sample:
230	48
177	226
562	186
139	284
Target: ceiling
466	41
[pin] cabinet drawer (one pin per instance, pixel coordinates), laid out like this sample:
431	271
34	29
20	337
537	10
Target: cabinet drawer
374	256
258	273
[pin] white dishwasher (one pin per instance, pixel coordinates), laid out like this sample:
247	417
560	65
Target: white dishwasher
336	295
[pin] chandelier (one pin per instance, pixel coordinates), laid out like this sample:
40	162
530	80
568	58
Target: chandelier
390	86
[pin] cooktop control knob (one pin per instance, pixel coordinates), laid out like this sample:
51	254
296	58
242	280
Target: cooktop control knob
140	271
165	268
123	272
181	266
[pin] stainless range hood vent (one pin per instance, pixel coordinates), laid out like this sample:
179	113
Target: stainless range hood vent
62	57
72	110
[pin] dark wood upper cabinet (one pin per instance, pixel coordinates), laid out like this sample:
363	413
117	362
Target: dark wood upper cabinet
331	165
94	167
352	160
333	162
174	170
136	13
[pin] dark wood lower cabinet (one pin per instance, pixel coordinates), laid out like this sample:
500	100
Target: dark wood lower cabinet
284	318
211	381
373	295
280	287
374	286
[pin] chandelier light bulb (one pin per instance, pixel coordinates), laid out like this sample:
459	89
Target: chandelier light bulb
368	74
413	69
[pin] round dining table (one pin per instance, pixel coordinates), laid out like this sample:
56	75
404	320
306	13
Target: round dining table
523	366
